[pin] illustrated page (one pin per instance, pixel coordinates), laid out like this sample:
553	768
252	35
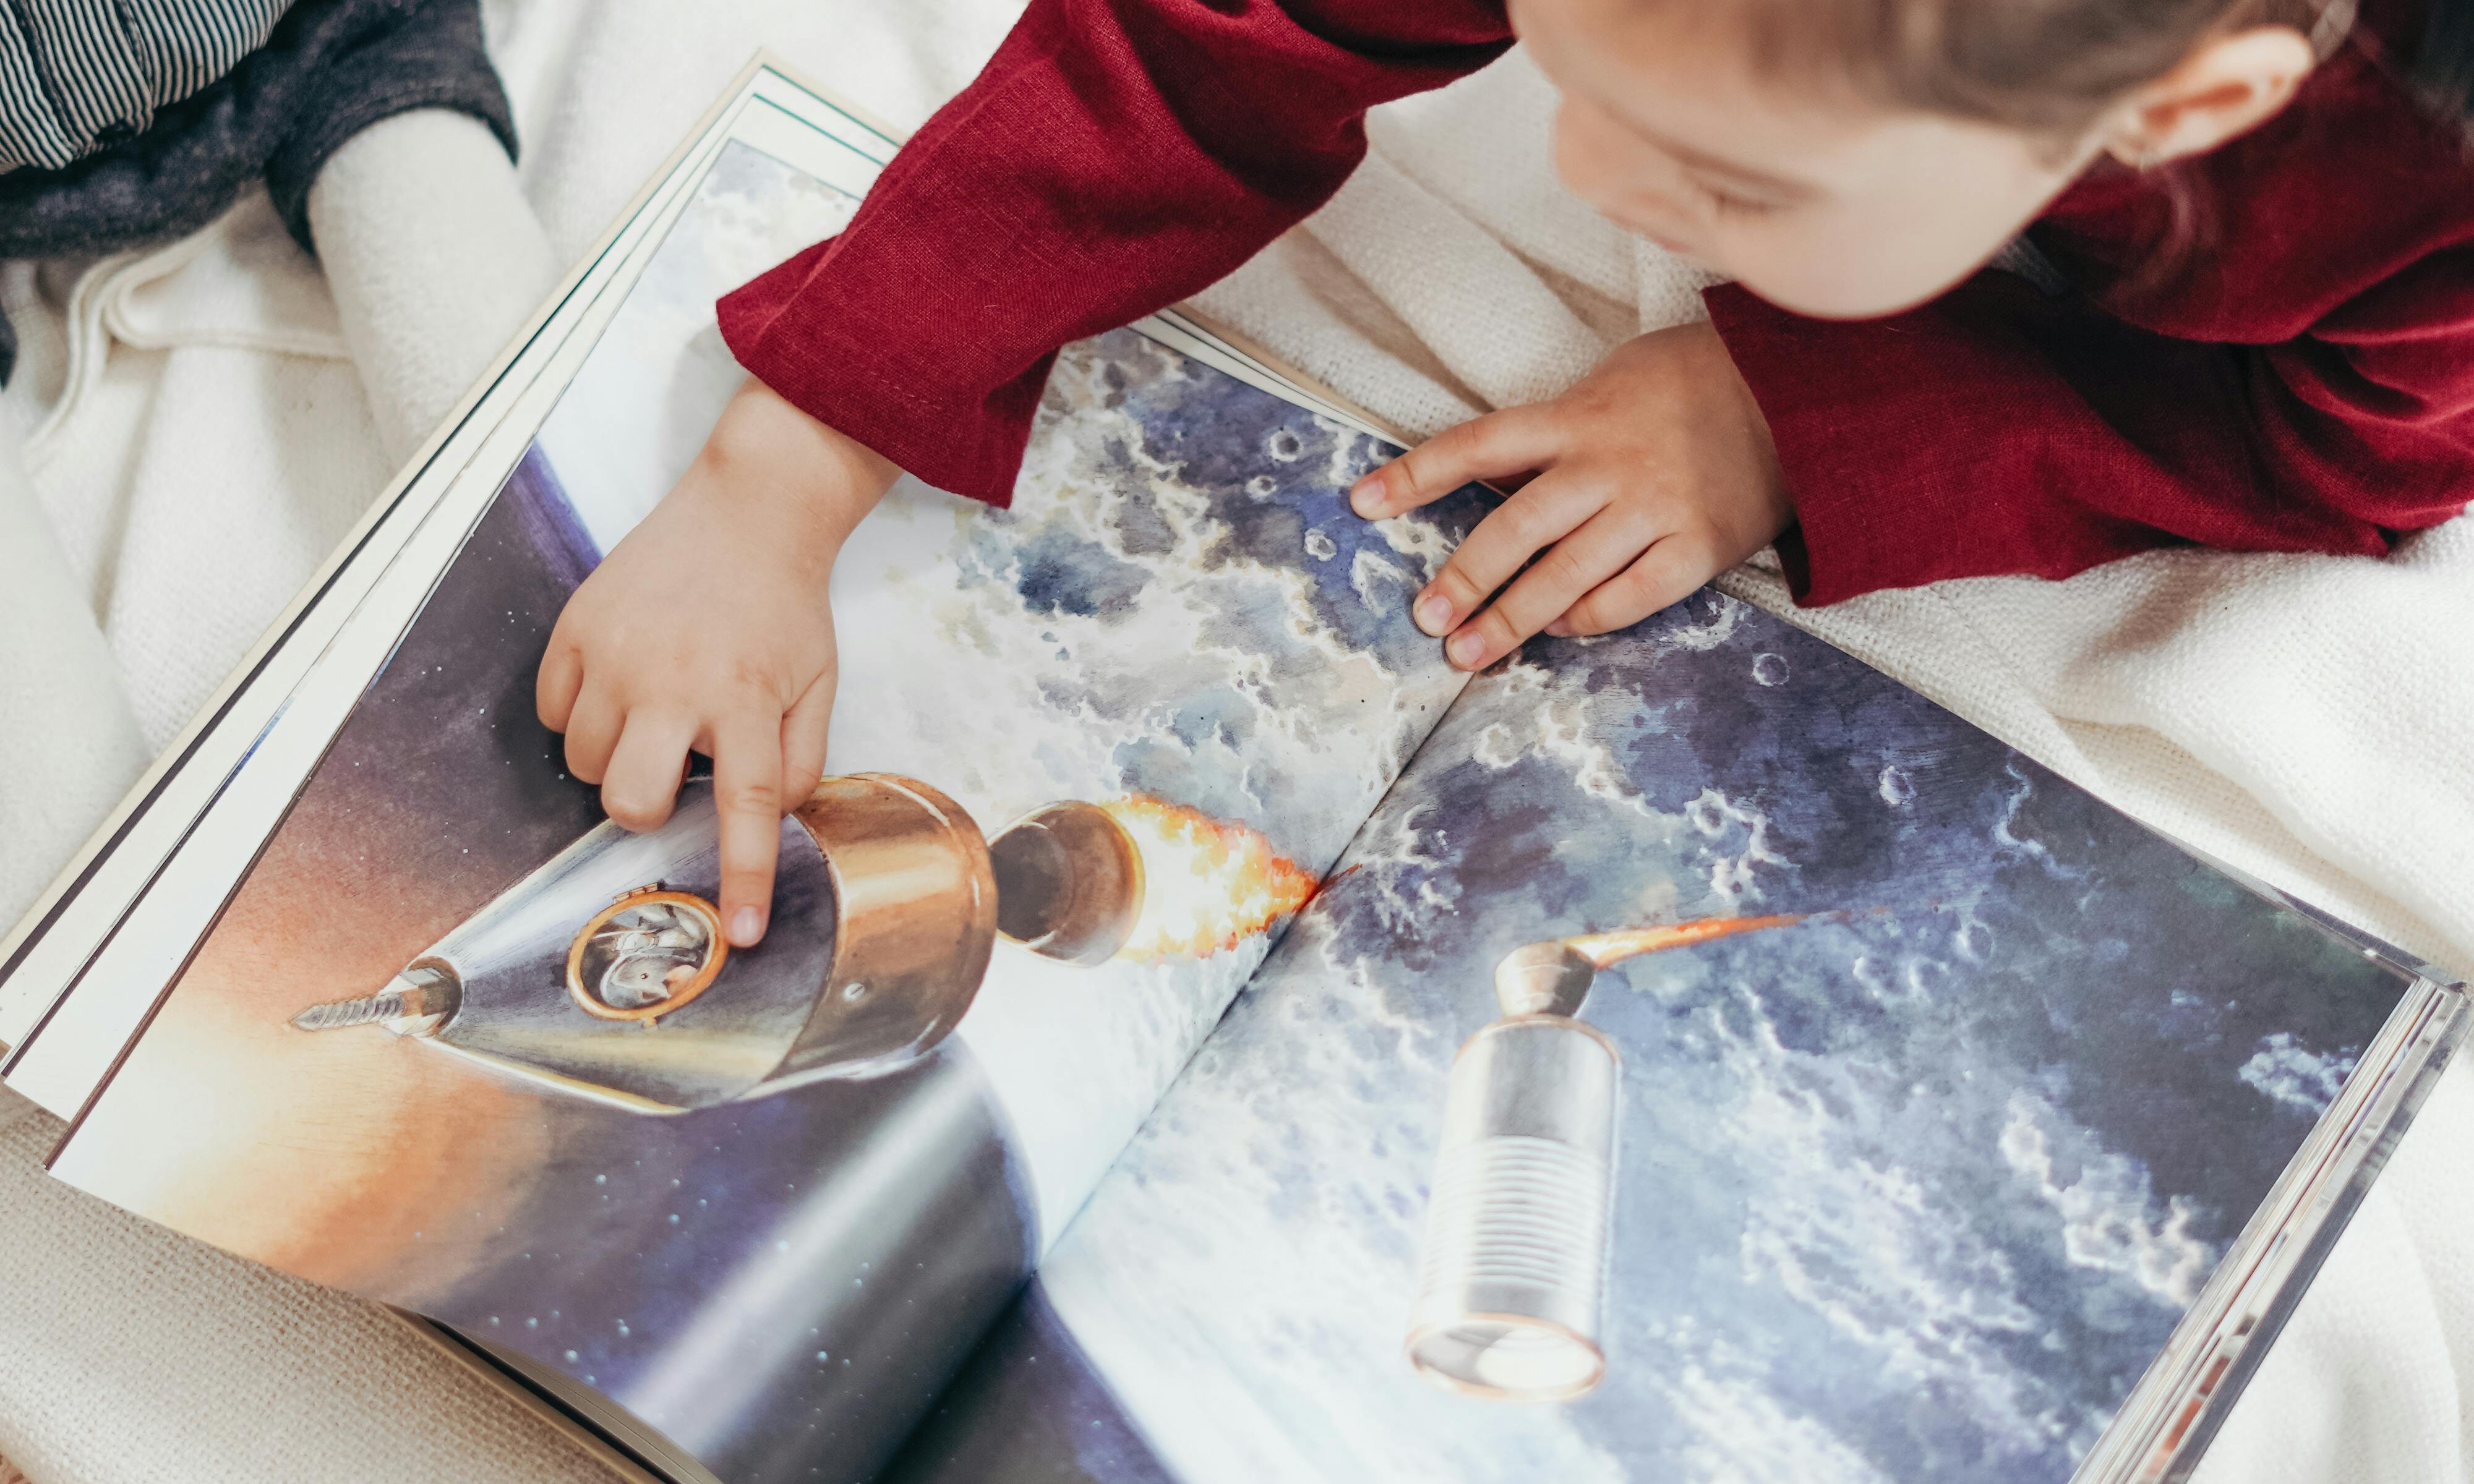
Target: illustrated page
1713	1063
460	1045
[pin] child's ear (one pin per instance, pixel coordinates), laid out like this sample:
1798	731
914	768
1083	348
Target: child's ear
2223	88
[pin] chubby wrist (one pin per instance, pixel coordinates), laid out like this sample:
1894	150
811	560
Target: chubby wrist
806	476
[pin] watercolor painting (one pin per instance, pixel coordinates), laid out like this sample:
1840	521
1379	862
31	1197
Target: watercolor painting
1871	1101
461	1044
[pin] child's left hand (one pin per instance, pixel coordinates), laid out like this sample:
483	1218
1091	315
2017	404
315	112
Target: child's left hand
1653	474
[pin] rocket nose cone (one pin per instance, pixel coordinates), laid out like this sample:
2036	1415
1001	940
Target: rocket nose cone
415	1002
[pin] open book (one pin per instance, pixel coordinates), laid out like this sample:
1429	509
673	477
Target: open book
1202	1036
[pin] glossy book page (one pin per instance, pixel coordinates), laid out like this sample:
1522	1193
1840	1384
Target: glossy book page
1711	1063
82	971
462	1045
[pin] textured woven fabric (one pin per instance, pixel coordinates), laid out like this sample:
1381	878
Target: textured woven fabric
2305	384
248	1377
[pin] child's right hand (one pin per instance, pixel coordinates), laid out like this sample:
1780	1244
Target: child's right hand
707	627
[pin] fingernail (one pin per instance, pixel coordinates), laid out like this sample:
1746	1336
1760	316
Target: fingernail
1560	629
1433	612
1464	650
746	927
1366	496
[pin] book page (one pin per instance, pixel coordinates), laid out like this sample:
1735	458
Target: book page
1713	1063
81	970
460	1045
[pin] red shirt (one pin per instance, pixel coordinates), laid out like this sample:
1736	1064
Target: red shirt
2301	378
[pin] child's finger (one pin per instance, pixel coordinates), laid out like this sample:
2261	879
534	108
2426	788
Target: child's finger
747	788
591	731
1543	511
1661	577
803	741
556	683
641	781
1580	561
1512	441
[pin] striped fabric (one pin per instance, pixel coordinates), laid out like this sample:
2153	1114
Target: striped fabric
77	76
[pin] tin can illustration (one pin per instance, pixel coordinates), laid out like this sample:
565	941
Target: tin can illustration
1513	1274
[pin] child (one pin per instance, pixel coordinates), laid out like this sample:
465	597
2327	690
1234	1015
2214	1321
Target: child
2268	344
127	124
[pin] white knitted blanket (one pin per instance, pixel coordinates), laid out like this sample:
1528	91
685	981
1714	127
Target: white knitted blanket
192	429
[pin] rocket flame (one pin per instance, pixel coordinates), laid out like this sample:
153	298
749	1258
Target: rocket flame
1207	883
1602	950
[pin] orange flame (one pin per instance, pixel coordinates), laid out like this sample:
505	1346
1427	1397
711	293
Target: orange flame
1602	950
1207	883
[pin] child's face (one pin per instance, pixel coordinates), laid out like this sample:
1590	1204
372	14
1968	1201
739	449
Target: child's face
1819	201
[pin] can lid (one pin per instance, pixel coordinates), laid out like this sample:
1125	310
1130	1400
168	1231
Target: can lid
1550	978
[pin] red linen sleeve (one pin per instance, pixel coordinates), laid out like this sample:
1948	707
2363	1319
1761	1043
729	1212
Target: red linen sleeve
2001	430
1115	157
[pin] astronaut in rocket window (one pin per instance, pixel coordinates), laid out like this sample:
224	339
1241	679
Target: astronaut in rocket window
645	954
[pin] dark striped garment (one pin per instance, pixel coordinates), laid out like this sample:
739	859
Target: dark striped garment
130	122
79	76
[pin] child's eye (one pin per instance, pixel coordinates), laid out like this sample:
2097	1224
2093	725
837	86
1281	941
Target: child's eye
1727	203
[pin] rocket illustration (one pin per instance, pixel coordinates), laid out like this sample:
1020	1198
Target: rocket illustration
1512	1271
605	972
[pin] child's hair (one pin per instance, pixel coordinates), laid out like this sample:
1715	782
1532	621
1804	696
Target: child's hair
2055	65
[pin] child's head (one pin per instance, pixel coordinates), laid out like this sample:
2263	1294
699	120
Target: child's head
1852	158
